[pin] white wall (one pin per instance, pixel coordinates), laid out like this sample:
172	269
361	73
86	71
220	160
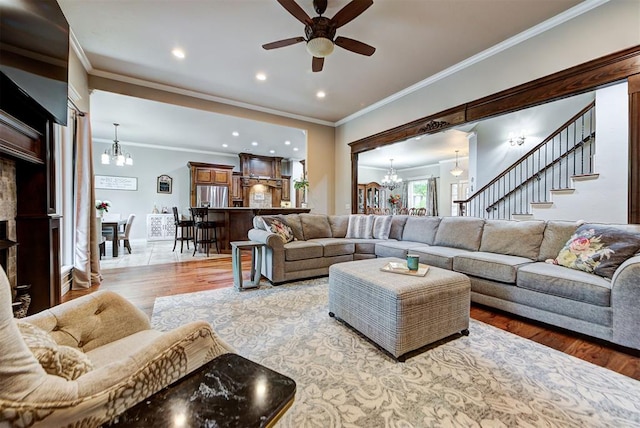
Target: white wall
148	165
608	28
594	200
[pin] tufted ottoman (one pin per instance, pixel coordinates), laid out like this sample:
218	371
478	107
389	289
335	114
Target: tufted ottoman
400	313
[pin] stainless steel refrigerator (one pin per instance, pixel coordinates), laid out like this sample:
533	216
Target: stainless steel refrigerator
212	196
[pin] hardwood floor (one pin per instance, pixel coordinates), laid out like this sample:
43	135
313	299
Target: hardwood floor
142	284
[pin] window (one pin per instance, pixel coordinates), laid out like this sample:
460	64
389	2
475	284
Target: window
417	193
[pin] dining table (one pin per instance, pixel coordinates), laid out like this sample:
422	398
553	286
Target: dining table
113	227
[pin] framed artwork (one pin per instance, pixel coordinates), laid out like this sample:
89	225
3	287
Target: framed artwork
111	182
165	184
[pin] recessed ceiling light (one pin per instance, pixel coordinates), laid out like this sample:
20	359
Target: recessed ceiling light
235	133
295	149
417	138
321	94
261	76
287	142
272	151
225	145
254	143
178	53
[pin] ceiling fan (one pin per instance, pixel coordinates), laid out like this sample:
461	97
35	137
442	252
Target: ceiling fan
320	31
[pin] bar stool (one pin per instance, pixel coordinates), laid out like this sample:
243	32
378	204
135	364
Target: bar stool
203	229
186	230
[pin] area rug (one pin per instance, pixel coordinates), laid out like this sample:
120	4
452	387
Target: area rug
490	378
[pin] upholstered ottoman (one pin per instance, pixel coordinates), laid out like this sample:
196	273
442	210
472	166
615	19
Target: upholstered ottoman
400	313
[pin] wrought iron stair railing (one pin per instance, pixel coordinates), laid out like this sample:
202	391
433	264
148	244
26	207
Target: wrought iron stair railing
567	152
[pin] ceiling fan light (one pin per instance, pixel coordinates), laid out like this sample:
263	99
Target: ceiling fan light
320	47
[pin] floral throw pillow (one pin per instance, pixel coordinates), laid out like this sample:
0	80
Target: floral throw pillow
279	228
598	249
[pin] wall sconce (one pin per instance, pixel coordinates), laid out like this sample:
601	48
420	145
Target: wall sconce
513	140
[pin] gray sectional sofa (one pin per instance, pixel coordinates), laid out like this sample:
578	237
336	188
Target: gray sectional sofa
505	261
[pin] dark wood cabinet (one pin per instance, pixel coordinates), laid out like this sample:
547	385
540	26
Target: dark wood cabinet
209	173
236	189
286	188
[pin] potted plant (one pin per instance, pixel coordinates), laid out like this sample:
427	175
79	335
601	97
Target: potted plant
302	184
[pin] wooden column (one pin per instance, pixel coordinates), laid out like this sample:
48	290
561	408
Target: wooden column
634	149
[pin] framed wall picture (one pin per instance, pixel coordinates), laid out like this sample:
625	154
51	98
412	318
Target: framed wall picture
165	184
111	182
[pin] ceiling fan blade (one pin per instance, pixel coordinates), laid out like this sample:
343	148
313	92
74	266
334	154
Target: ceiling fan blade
316	64
294	9
355	46
350	11
283	43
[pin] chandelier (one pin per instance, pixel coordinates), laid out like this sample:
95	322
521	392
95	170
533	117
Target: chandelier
391	179
456	171
115	153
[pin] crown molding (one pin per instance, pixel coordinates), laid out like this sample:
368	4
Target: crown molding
575	11
77	48
168	148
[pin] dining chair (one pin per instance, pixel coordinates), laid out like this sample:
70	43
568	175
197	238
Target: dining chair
422	212
403	211
186	230
125	235
203	230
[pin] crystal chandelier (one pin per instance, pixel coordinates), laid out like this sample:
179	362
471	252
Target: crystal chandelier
456	171
115	153
391	179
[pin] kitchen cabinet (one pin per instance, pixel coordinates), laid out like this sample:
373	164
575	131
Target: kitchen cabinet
286	188
236	188
209	174
160	227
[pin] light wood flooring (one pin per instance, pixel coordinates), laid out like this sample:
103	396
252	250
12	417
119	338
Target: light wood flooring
142	284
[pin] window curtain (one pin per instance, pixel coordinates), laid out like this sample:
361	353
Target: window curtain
432	196
404	194
86	270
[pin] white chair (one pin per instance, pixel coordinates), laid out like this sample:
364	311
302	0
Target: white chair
125	236
84	362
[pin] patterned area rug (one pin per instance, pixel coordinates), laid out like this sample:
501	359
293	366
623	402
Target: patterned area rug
489	379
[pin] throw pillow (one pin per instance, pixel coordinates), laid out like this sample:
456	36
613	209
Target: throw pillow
360	226
59	360
279	228
382	226
599	249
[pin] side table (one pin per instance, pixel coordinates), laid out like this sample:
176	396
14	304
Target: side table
229	391
236	263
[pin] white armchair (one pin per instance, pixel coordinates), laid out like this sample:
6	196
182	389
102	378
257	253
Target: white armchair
123	360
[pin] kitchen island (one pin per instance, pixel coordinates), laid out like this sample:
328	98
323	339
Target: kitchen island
237	221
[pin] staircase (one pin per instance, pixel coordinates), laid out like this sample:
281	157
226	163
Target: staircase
549	168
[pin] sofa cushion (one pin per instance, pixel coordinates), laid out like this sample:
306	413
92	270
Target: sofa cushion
567	283
396	248
421	229
556	234
365	246
279	227
60	360
397	226
315	226
293	220
498	267
302	250
336	246
459	232
515	238
600	248
382	226
441	257
360	226
339	224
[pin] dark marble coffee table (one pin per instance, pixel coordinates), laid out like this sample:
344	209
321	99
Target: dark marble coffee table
229	391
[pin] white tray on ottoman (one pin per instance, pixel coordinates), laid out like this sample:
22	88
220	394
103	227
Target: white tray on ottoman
400	313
